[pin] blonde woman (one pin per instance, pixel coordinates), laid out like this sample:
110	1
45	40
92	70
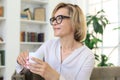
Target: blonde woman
65	58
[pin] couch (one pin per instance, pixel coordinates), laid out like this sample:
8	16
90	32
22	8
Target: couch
99	73
105	73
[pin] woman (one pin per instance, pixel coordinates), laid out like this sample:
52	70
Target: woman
65	58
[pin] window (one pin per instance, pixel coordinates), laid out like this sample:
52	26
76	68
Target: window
111	37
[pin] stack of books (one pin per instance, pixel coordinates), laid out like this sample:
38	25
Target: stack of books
31	37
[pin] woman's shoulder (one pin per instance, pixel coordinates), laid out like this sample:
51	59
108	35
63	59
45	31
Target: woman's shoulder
48	44
52	42
86	50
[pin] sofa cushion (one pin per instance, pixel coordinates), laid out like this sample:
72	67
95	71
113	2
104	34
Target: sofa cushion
106	73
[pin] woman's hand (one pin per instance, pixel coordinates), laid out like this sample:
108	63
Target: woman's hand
22	58
43	69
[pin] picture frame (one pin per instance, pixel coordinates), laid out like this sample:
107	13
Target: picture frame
39	14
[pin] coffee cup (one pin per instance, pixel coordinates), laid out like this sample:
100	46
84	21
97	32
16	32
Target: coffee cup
36	55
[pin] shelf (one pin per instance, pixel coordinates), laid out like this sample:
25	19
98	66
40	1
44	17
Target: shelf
31	43
2	67
2	18
2	43
41	2
34	22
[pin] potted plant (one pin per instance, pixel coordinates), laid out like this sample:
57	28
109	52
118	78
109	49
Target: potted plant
96	25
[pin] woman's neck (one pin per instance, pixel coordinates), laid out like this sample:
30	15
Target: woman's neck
67	44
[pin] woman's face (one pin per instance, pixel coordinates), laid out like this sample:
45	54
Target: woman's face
63	26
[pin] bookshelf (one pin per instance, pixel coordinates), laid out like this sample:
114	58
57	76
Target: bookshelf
31	25
2	38
10	27
33	22
2	43
2	67
2	18
35	2
31	43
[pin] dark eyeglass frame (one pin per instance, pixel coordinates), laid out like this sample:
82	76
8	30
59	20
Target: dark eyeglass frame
59	17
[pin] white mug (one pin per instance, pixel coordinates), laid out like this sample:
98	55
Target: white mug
36	55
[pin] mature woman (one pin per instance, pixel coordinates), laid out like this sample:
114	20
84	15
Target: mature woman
65	58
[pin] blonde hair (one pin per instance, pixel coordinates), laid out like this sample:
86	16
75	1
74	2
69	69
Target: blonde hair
77	19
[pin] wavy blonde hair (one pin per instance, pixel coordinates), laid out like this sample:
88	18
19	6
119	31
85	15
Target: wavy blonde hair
77	19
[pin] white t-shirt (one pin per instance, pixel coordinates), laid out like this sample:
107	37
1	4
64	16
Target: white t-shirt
77	66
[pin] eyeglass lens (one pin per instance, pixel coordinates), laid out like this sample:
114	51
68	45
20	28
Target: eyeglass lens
58	19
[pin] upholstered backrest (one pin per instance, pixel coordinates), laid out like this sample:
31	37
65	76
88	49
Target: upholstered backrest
106	73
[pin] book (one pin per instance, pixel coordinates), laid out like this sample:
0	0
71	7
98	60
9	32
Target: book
1	11
2	53
40	37
39	14
22	36
32	37
28	37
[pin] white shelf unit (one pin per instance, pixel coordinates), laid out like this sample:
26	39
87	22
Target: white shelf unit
2	43
41	2
31	43
10	27
2	18
33	22
3	36
2	67
33	25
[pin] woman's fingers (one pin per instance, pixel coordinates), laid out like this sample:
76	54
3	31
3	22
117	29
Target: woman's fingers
43	69
37	60
22	58
38	67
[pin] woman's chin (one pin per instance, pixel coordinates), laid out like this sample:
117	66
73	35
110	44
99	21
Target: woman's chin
56	35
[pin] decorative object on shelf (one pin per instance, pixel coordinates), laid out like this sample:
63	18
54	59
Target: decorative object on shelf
1	11
39	14
2	59
29	14
1	40
24	15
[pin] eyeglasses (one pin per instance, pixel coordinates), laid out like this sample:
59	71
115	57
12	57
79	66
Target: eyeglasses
58	19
